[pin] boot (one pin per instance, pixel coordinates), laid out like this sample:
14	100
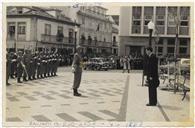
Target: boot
24	78
75	92
18	80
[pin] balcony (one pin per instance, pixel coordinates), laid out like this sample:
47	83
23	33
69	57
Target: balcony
115	44
94	43
56	40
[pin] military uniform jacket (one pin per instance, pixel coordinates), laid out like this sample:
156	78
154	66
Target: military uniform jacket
77	63
152	70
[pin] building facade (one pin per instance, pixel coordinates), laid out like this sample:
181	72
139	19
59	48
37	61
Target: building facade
134	35
37	28
95	32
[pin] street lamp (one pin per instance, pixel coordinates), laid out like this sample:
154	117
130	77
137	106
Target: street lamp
75	43
150	28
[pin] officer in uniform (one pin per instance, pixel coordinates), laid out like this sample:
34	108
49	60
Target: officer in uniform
77	70
42	64
13	64
49	61
53	64
20	66
8	67
56	62
39	61
34	65
27	63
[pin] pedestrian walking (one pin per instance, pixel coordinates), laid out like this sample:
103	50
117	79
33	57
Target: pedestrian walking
126	64
152	77
77	70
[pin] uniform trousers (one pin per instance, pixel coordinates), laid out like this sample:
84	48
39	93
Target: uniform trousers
77	79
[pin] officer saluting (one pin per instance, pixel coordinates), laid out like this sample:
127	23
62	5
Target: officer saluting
77	70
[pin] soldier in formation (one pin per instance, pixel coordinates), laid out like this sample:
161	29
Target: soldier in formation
31	66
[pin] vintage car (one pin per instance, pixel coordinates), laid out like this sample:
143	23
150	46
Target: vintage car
96	64
182	65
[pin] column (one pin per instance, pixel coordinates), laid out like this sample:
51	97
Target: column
166	19
142	20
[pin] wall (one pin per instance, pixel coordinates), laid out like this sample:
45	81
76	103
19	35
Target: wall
54	27
124	21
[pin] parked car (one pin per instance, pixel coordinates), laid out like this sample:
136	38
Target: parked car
182	65
96	64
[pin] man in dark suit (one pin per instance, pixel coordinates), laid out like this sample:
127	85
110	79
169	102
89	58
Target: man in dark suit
77	70
152	77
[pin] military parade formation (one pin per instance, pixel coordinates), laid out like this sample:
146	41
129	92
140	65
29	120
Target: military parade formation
28	65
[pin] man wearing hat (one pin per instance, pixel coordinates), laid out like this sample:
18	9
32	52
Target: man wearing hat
77	70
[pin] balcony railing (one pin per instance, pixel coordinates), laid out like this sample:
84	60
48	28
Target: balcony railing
57	40
115	44
95	43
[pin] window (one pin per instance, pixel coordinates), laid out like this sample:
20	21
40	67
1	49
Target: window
172	13
60	34
70	35
136	22
160	22
114	38
160	11
21	28
137	12
11	30
171	41
47	29
148	11
184	11
170	49
184	23
60	30
160	41
182	50
183	42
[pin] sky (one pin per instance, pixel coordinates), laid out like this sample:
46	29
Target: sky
112	10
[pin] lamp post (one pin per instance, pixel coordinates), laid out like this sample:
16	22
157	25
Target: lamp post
75	43
150	28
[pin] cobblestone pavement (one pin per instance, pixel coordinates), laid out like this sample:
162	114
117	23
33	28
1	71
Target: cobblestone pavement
106	96
51	99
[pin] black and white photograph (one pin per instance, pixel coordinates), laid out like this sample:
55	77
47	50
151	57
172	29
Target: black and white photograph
98	64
